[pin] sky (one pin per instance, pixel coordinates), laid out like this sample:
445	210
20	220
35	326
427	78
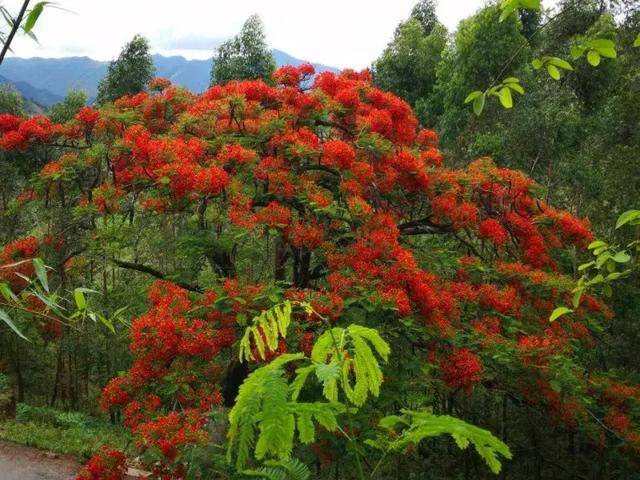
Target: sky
340	33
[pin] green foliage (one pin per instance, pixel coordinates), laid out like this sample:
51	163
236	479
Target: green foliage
38	287
129	73
595	49
414	427
57	309
267	411
424	11
559	312
266	329
265	416
244	57
552	64
11	101
6	393
24	21
349	351
407	66
484	51
67	109
510	6
631	217
610	263
502	91
61	432
291	469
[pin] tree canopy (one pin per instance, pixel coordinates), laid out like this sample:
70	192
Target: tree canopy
129	73
244	57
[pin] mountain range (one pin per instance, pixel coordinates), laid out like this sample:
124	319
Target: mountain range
46	81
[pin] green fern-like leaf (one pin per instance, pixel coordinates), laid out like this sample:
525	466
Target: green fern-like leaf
417	426
277	423
291	469
352	351
266	414
264	388
266	330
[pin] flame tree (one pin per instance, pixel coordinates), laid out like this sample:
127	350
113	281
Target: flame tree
323	191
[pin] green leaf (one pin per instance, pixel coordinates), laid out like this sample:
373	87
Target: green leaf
516	87
577	51
4	316
576	297
537	63
553	71
511	80
472	96
478	104
33	16
558	312
505	97
560	63
41	272
530	4
7	293
506	12
608	52
599	43
81	301
584	266
636	42
593	57
621	257
596	244
614	276
423	425
627	217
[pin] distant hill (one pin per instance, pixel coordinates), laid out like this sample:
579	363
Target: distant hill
35	99
47	80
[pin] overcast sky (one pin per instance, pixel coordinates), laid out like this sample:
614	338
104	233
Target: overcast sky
341	33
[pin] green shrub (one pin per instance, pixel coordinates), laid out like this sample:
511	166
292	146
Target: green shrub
62	432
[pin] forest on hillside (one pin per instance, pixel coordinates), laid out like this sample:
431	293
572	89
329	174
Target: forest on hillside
428	269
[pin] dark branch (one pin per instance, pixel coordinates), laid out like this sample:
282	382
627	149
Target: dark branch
422	226
325	123
139	267
14	28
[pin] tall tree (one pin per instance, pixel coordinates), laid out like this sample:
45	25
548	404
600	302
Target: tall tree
244	57
407	66
129	73
425	12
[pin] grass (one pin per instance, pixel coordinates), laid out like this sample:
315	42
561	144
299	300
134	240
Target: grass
62	432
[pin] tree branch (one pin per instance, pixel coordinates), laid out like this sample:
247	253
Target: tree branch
139	267
14	28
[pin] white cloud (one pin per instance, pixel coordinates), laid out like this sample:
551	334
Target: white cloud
342	33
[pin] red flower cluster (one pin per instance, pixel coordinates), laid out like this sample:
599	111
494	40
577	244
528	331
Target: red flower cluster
462	369
108	464
169	347
338	177
13	266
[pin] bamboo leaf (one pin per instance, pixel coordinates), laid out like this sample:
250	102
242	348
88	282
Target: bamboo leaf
4	316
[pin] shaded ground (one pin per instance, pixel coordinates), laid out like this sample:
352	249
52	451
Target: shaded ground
24	463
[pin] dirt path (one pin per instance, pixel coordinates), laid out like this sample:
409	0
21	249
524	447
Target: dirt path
23	463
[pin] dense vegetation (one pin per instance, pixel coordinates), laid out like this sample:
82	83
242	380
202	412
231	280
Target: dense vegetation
293	276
